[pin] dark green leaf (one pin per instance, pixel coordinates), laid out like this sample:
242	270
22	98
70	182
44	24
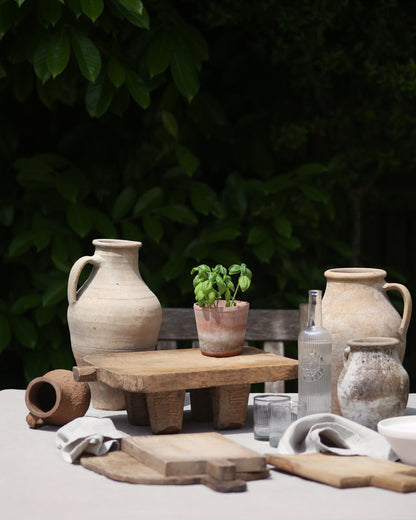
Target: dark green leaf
115	72
170	124
25	332
314	193
153	228
236	193
6	213
55	293
103	224
278	184
179	213
158	55
129	10
79	219
41	238
28	301
204	200
44	315
257	235
173	268
5	333
311	169
59	51
59	253
283	226
138	89
187	160
131	231
40	64
49	12
264	251
124	203
92	8
184	74
149	200
135	6
75	6
98	97
223	233
20	244
87	55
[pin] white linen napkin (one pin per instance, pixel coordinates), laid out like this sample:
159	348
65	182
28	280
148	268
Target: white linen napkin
330	433
87	435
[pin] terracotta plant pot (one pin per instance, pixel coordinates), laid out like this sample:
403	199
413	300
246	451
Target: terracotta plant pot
221	329
56	398
114	311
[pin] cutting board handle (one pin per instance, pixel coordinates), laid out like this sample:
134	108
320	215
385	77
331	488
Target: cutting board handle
85	374
221	469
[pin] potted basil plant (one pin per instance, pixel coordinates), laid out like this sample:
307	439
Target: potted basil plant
221	319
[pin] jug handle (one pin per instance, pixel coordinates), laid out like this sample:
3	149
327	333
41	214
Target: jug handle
75	274
347	351
407	300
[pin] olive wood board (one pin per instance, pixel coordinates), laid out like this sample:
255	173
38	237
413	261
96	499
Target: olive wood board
348	471
168	370
197	458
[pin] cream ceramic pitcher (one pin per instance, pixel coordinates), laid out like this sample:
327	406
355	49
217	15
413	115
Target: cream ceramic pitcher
114	311
355	305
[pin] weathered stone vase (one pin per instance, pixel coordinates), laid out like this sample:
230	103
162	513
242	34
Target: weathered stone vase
221	329
373	385
356	305
113	311
56	398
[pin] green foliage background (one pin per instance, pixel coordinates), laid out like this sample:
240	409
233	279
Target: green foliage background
212	131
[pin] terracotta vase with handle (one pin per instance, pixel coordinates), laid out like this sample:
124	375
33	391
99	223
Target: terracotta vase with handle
356	305
113	311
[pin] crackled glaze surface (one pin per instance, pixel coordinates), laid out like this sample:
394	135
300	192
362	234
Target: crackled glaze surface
373	385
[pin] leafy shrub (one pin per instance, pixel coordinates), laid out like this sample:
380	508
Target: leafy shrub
212	132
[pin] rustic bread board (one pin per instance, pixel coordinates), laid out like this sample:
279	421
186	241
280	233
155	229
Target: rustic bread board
193	454
199	458
347	472
169	370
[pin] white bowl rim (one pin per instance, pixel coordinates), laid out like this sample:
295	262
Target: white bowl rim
387	427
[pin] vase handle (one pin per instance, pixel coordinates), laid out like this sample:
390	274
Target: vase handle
75	274
407	308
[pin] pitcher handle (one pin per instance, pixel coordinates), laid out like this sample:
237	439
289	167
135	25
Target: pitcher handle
75	274
407	308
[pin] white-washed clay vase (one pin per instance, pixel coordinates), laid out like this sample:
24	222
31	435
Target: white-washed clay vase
373	385
113	311
356	305
221	329
56	399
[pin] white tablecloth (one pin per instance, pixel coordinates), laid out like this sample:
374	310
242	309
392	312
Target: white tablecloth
36	483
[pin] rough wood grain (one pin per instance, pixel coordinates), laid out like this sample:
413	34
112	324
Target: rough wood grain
168	370
190	454
347	472
262	325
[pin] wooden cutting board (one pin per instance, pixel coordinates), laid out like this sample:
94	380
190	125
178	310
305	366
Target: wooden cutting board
347	472
197	458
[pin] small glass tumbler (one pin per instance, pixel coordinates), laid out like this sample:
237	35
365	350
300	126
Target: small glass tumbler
262	413
282	415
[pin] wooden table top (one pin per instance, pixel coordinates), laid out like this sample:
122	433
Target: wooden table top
166	370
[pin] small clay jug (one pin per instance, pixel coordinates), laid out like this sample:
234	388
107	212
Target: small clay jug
373	385
56	398
356	305
114	311
221	329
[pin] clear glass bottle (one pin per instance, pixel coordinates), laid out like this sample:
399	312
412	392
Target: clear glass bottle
314	357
